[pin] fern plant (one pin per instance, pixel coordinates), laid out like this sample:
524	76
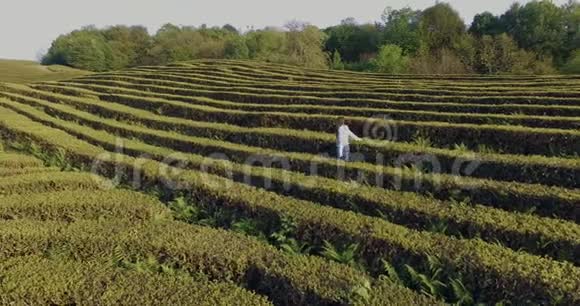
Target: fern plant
347	256
249	227
430	284
391	273
438	227
461	294
461	147
284	240
422	141
292	246
183	211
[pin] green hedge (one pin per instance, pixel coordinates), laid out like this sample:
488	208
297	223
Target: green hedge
34	280
224	74
215	254
494	272
401	208
259	68
527	169
402	115
325	80
5	172
13	160
546	201
532	140
386	93
74	205
213	77
27	184
268	72
93	89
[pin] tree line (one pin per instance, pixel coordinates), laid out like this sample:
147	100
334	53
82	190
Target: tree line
536	38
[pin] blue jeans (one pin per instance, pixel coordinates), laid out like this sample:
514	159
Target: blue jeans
343	152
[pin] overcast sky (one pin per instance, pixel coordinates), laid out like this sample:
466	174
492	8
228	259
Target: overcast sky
27	27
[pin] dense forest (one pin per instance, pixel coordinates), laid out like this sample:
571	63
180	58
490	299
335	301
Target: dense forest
536	38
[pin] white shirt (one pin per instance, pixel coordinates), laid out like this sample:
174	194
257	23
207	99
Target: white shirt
344	134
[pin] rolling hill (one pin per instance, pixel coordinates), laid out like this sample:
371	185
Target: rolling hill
224	187
19	71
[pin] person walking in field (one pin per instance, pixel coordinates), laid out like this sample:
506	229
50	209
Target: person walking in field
343	136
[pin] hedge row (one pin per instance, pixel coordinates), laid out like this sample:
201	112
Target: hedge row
209	79
217	254
546	201
532	110
257	69
27	184
344	73
542	141
14	160
414	98
74	205
6	172
494	272
301	77
403	115
218	78
529	169
411	210
34	280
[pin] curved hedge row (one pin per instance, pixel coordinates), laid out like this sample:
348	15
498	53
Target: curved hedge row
14	160
259	71
401	208
279	88
297	80
397	115
500	137
528	169
219	255
74	205
33	280
546	201
494	272
5	172
27	184
95	90
224	76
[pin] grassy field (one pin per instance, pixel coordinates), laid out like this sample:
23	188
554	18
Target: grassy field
217	183
18	71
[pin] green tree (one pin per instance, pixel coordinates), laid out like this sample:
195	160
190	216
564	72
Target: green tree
266	44
539	26
236	48
337	63
572	23
128	45
172	43
444	61
390	59
466	49
304	46
440	27
487	55
230	28
83	49
353	41
402	28
501	55
486	24
573	64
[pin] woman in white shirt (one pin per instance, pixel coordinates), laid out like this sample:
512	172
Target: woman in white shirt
343	136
